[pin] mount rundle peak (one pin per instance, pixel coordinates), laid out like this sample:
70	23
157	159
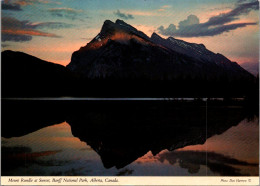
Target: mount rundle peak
122	51
122	61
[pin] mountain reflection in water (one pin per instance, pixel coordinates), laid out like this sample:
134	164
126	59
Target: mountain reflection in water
126	138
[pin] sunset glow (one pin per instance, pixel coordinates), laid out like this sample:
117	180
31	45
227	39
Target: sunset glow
58	28
28	32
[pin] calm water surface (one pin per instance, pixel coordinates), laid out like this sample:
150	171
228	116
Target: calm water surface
167	148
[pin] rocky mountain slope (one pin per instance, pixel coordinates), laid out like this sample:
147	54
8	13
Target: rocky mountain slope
123	61
121	51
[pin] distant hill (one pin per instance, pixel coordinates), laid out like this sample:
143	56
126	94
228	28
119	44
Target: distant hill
24	75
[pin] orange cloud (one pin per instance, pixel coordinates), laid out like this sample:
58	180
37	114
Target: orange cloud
161	10
28	32
24	3
142	13
16	30
166	6
31	2
64	9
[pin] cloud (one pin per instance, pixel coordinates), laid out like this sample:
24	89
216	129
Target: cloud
161	10
53	25
65	12
31	2
168	31
6	5
16	30
15	5
164	7
123	15
200	30
4	45
241	9
27	2
64	9
15	37
191	27
191	20
137	12
242	1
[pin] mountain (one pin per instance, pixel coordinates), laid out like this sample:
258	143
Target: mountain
120	55
24	75
120	50
198	52
124	62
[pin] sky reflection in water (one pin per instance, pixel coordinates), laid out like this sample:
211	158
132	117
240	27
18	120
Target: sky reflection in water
54	150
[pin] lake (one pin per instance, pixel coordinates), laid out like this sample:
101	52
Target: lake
129	138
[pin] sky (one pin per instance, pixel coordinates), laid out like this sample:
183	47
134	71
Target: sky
53	29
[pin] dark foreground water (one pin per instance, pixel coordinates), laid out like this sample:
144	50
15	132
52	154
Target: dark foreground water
139	138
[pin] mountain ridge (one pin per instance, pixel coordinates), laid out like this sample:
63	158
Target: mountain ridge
121	31
124	62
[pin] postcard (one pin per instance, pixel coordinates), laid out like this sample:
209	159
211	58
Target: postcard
129	92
